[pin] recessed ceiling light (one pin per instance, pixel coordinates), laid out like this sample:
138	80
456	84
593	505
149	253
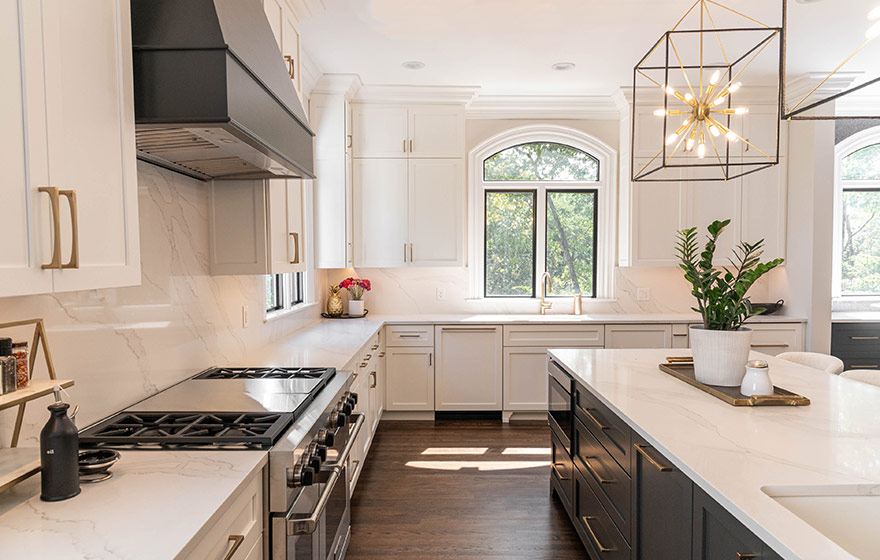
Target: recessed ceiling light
562	66
413	64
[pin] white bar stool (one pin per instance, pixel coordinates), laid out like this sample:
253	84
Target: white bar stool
869	376
824	362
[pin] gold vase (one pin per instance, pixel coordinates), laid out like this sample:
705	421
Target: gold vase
334	303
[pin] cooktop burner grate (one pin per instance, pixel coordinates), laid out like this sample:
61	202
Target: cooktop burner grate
321	374
215	429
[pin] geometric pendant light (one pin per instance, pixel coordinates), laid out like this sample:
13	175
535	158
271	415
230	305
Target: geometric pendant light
691	94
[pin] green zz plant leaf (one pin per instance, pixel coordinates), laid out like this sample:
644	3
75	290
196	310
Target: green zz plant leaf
721	291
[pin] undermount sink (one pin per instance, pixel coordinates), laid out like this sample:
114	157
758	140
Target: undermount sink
846	514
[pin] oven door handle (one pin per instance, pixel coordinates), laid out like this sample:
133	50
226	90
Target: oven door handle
308	525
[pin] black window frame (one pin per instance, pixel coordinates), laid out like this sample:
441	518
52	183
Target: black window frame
534	193
296	289
595	193
279	293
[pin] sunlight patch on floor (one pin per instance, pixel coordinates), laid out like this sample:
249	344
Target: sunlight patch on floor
526	451
478	465
455	451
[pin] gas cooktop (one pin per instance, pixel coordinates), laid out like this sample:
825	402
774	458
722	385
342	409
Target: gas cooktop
321	374
160	429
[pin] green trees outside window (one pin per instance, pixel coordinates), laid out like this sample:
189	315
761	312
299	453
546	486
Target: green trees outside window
860	205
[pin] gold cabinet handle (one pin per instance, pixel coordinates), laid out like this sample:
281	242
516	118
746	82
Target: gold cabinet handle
236	541
864	338
295	237
291	66
74	228
411	259
404	145
410	145
430	358
780	345
375	381
586	519
594	420
368	357
350	141
595	474
56	227
556	472
641	449
745	556
364	364
404	252
381	354
871	366
354	469
374	347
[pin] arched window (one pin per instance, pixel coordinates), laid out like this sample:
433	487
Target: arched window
541	204
857	243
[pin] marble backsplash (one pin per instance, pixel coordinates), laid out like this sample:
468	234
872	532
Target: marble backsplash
122	345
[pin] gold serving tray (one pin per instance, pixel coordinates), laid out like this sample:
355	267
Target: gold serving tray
683	368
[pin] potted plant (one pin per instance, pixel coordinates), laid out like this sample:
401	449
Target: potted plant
721	345
356	288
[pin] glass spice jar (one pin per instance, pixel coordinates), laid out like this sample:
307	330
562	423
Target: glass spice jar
22	366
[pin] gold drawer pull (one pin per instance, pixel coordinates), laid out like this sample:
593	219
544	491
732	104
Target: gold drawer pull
374	347
864	338
368	357
295	237
373	377
236	541
364	364
381	354
559	476
291	66
74	228
586	519
779	345
745	556
409	336
596	474
641	449
56	227
871	366
593	419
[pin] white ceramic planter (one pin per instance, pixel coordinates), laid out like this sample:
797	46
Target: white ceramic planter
720	356
356	307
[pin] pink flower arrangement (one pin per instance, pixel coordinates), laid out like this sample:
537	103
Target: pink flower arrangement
356	287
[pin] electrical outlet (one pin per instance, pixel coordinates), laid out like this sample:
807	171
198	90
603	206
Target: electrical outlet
643	294
441	294
244	316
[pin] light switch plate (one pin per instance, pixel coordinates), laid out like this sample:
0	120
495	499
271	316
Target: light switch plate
643	294
441	294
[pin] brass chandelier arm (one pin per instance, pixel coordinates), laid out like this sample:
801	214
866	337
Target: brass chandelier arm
649	163
681	139
828	77
754	56
656	83
717	36
691	9
738	13
683	71
722	127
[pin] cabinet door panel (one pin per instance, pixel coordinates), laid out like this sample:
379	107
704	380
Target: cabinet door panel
525	378
662	506
23	227
436	195
719	200
717	534
379	131
333	181
656	216
380	216
436	132
275	14
468	375
280	250
764	209
290	46
296	224
409	379
91	139
638	336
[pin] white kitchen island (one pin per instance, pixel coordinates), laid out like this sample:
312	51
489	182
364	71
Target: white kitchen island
816	459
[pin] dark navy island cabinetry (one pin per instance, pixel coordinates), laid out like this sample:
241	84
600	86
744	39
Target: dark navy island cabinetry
857	344
629	502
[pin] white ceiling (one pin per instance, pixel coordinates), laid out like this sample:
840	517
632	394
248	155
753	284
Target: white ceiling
508	46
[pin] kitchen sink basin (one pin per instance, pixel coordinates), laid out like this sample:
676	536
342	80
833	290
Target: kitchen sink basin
846	514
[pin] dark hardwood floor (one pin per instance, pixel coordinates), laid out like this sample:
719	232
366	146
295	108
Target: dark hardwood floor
454	504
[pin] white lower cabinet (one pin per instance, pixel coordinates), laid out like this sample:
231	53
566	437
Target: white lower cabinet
409	378
638	336
243	518
469	366
362	444
776	338
525	378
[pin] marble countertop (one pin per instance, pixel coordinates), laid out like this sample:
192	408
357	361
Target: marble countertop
734	452
526	319
855	317
155	504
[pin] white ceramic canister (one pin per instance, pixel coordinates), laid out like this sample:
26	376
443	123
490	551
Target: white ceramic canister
757	379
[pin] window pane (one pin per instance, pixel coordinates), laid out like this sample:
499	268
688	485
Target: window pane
541	161
510	243
571	235
862	165
296	288
273	292
860	255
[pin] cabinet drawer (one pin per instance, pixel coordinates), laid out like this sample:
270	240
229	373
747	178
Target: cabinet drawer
612	432
855	339
609	481
561	472
595	527
409	335
855	362
242	520
554	336
638	336
775	339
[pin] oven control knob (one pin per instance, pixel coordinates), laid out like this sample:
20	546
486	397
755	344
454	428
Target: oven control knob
325	437
315	463
300	475
353	397
346	407
336	420
321	451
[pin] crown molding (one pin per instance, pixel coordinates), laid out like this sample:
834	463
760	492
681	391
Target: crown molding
799	86
543	107
457	95
347	84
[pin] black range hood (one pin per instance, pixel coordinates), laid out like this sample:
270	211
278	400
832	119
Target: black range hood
213	99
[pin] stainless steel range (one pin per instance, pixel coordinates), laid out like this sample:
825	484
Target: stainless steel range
303	416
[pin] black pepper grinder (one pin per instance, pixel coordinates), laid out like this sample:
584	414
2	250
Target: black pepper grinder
59	454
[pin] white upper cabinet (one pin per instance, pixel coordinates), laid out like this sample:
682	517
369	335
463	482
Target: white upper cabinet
416	131
256	227
435	212
380	217
285	27
69	130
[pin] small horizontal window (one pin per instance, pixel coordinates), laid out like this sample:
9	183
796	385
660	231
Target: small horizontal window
862	165
541	161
